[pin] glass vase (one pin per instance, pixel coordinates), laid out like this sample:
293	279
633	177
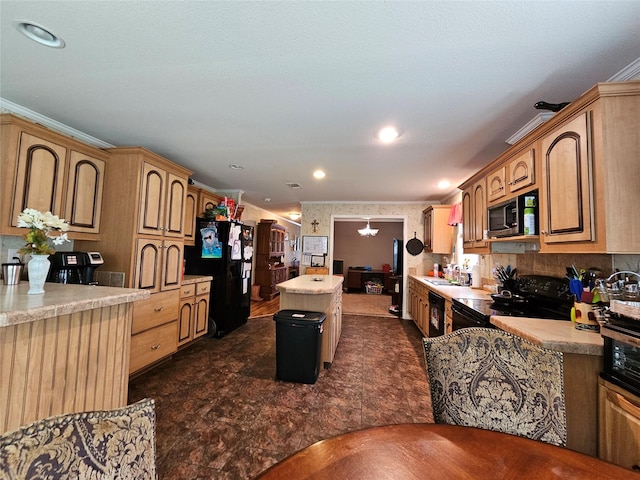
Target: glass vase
38	268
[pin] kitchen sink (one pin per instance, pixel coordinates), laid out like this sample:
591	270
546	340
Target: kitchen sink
446	283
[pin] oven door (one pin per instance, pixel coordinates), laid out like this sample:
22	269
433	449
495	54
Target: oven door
463	319
621	357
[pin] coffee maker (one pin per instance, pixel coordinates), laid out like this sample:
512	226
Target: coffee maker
74	267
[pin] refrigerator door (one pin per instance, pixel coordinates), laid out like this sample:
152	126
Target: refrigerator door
216	253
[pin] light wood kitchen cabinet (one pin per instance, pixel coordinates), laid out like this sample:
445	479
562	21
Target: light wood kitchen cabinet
208	200
496	184
154	332
521	171
145	192
590	174
619	426
474	217
190	214
162	202
158	264
418	304
193	320
48	171
437	232
566	203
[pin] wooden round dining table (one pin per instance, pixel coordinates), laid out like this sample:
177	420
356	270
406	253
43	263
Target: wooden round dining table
423	451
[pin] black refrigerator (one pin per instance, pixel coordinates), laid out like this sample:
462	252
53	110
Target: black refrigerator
224	251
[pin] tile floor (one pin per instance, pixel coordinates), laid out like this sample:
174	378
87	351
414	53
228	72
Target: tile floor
221	413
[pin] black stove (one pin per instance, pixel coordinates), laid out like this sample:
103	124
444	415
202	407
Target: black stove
543	297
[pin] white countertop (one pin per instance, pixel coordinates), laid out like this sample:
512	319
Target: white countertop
17	307
311	284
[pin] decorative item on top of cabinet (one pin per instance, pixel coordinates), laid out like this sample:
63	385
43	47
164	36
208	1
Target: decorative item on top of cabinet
474	217
193	321
618	426
437	233
50	172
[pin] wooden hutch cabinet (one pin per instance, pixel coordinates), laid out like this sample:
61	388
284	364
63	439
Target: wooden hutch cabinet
270	249
142	235
50	172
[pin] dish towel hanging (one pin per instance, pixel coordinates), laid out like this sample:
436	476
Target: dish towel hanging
455	214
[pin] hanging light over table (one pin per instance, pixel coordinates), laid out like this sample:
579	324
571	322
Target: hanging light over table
368	231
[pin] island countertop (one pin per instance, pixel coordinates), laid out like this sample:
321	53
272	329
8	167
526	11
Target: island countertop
308	284
17	307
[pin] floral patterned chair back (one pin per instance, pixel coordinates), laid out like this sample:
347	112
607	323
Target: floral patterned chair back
110	444
487	378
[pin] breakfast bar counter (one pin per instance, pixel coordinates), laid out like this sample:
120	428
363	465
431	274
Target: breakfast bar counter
63	351
582	363
317	293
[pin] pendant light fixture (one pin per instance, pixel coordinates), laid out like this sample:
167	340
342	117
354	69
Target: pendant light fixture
368	231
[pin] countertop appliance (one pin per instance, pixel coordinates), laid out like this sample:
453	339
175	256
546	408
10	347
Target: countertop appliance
544	297
74	267
224	251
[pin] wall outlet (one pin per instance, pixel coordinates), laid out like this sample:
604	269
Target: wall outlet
12	252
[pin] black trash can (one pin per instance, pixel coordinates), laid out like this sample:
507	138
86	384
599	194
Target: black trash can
298	345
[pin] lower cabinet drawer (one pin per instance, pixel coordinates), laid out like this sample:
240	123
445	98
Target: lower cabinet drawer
159	308
152	345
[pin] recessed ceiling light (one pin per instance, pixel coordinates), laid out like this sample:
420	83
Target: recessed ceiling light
388	134
39	34
442	184
319	174
267	199
235	166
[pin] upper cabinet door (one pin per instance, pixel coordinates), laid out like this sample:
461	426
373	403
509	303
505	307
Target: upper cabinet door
39	180
479	214
152	200
175	208
566	214
522	171
190	213
83	205
496	184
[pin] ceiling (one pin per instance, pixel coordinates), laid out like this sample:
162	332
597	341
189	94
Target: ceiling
283	88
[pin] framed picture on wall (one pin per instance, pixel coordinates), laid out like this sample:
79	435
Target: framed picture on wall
317	260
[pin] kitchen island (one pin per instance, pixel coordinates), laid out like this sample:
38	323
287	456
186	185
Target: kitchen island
582	363
64	351
317	293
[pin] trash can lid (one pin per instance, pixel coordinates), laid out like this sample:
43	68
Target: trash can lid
298	315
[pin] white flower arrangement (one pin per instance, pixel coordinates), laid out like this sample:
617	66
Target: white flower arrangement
41	226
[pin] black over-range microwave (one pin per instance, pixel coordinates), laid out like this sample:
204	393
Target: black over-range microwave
518	216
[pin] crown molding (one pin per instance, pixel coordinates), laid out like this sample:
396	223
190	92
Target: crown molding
8	106
630	72
539	119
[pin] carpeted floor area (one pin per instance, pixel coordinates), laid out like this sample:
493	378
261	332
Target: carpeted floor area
221	413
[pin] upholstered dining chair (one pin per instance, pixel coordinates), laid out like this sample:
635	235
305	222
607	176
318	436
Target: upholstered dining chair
491	379
109	444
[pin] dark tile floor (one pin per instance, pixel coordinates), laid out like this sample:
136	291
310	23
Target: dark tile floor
221	413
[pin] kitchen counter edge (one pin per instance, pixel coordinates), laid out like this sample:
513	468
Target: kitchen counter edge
17	307
306	284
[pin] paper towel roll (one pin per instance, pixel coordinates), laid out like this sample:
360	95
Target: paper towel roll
476	278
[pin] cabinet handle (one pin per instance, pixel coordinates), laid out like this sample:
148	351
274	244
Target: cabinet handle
159	309
155	347
520	179
544	232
